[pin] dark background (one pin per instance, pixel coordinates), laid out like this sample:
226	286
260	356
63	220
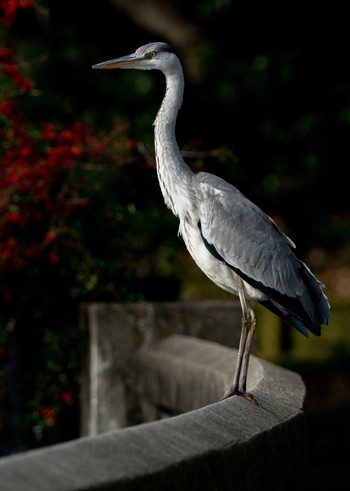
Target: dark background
266	106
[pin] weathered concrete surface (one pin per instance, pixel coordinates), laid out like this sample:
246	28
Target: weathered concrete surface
114	332
182	373
228	445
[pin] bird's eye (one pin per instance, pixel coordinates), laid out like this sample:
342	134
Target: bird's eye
152	54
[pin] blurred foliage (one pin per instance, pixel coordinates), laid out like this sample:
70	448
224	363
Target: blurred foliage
268	109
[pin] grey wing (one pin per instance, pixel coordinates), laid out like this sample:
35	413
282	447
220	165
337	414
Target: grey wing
245	238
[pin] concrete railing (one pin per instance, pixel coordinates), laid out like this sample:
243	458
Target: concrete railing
230	444
115	332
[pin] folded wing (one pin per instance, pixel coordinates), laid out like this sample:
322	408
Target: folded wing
241	235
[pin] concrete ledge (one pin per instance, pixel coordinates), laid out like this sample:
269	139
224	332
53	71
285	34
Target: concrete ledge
183	373
231	444
113	332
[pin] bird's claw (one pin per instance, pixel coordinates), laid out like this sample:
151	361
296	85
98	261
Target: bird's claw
236	392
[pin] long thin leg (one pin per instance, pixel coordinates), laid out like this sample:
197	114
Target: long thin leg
245	341
237	375
248	347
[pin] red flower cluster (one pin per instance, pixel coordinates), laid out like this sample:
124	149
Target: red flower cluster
9	8
48	414
8	11
68	398
33	176
11	70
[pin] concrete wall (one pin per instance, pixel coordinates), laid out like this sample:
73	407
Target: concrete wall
114	332
227	445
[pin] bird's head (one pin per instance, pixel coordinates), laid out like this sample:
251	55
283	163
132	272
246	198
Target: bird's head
151	56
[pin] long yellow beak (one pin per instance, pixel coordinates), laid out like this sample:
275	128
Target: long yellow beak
129	61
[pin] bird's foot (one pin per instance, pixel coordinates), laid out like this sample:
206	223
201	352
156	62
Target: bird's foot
235	392
249	397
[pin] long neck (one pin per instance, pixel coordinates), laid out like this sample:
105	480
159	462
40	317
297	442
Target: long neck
175	177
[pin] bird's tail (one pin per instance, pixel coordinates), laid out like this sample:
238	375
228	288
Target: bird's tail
307	312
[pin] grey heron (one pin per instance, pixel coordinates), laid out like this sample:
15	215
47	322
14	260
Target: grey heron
232	240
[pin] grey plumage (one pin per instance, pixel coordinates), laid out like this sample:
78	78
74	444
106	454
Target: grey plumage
234	242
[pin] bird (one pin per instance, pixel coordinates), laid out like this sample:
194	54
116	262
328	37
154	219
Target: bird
239	247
